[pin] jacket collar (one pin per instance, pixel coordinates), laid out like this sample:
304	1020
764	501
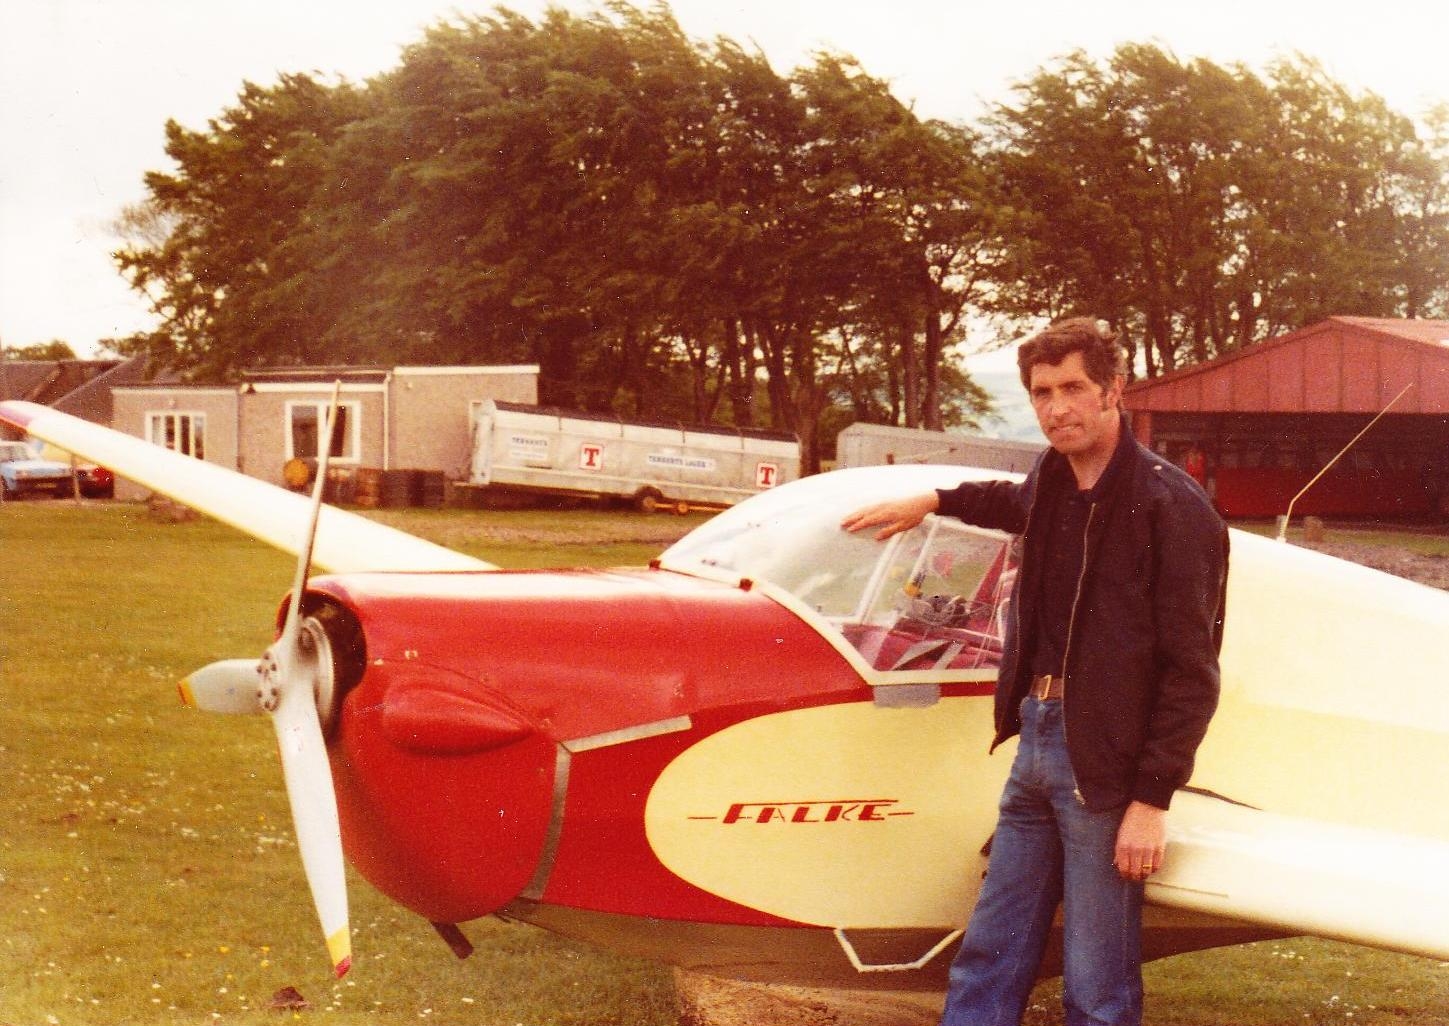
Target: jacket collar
1057	469
1121	455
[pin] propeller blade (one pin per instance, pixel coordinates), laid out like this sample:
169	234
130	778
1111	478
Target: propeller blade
294	682
304	553
293	679
227	686
314	816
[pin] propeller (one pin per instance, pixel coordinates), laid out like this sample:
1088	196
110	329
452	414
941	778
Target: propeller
293	683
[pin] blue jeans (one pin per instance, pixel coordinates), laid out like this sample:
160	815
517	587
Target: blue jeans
1050	849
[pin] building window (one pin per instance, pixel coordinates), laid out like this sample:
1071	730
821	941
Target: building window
183	432
305	420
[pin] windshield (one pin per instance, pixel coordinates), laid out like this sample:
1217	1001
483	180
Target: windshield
931	598
14	451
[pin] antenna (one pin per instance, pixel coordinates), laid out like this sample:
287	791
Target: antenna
1284	520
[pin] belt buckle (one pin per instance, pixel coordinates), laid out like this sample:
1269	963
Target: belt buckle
1041	687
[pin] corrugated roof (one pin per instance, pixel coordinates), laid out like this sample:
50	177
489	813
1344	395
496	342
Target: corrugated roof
1338	365
23	379
47	381
92	400
1434	332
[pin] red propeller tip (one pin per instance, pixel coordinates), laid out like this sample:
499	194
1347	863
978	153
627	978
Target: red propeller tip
342	967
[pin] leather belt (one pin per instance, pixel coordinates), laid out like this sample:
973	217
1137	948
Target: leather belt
1047	688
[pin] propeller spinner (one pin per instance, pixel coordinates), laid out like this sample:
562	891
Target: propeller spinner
293	683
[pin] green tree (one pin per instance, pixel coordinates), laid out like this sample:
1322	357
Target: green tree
55	349
665	227
209	247
1203	208
1421	194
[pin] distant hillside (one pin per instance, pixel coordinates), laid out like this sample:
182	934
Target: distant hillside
1014	417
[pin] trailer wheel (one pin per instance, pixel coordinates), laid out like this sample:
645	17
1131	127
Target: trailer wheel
681	509
648	500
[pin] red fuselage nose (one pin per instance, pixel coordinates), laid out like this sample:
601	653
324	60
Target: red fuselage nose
508	726
445	793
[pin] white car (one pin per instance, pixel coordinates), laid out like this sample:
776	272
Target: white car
22	472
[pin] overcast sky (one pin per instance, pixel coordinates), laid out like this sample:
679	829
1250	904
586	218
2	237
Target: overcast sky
86	87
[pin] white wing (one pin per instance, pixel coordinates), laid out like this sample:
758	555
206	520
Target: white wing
345	541
1333	735
1305	877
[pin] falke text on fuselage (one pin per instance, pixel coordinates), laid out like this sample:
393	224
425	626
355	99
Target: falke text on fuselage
876	810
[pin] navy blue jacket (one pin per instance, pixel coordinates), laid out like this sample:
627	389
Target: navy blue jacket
1141	664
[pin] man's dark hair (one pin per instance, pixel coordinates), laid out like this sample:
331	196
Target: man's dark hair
1102	357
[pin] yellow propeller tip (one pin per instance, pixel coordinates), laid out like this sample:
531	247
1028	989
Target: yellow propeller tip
339	947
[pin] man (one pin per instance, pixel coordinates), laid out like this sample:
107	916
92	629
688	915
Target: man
1110	676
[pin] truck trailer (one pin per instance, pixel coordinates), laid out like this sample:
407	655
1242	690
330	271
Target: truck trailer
871	445
544	450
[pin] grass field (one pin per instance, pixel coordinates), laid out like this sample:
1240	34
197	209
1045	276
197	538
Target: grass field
147	868
1427	541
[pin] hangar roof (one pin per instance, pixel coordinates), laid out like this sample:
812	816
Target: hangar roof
1339	365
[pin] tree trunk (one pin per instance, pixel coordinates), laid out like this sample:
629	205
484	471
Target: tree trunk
739	361
777	380
807	403
931	356
910	375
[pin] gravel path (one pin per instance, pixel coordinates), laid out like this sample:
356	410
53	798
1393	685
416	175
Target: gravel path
1432	570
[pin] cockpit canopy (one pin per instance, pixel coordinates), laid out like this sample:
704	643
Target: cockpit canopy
934	597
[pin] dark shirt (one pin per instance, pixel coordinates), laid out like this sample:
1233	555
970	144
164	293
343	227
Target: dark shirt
1066	548
1062	570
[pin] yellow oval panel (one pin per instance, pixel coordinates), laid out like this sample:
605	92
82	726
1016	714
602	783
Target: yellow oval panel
851	815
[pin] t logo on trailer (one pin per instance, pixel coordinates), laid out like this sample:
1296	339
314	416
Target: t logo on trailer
591	456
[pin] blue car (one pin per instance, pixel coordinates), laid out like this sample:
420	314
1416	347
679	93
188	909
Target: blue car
22	473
